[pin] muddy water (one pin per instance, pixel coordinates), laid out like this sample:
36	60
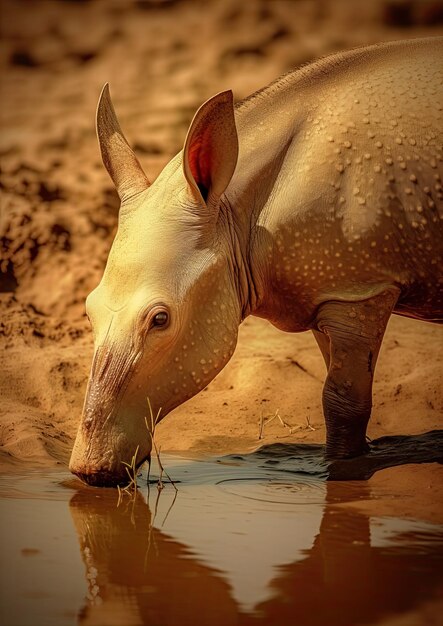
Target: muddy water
244	540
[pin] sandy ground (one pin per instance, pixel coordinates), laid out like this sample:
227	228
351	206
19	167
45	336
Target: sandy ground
59	212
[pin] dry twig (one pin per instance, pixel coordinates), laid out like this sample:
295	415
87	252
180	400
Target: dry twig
264	422
308	423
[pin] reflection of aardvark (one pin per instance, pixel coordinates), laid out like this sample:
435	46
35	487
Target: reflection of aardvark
315	203
346	580
139	575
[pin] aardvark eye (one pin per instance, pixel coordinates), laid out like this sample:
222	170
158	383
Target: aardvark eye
160	319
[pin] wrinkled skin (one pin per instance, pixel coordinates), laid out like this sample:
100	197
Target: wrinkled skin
134	359
330	223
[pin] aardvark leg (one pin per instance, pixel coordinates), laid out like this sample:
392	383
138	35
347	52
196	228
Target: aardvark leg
324	344
355	331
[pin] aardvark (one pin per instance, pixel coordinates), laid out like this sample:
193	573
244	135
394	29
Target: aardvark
315	203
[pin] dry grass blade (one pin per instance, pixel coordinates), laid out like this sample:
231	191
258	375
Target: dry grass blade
131	469
151	430
260	426
151	422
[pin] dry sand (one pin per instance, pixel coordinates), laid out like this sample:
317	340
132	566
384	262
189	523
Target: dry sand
59	214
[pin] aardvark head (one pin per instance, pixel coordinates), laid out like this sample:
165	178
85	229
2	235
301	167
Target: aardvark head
165	314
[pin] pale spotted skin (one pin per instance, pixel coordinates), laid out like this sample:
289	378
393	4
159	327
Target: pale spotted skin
331	222
356	206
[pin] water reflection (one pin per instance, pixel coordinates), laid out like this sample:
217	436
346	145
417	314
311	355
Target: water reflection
139	575
226	555
358	570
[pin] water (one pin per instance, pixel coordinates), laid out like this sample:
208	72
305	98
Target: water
244	540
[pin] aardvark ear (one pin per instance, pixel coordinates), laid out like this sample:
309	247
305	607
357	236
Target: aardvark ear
118	157
211	148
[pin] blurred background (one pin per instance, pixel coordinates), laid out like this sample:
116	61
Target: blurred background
162	58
